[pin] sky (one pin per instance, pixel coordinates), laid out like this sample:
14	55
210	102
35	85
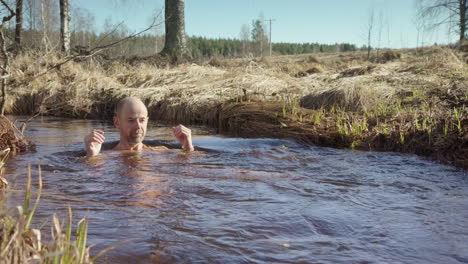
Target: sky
295	21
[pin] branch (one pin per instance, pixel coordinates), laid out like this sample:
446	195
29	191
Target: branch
447	20
98	49
12	13
109	33
153	25
434	9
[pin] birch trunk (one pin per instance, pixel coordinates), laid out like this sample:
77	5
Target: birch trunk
65	25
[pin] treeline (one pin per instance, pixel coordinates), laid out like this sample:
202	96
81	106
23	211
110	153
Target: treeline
292	48
41	31
205	47
149	44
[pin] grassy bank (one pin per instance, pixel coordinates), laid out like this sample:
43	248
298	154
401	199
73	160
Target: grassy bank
409	100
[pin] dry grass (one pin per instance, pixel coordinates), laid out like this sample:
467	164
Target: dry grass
21	243
417	81
3	157
86	89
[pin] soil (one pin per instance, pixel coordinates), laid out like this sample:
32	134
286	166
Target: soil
11	138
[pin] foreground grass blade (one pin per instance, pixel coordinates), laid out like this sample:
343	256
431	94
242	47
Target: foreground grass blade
82	234
38	198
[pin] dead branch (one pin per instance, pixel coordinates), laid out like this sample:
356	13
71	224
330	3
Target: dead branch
100	48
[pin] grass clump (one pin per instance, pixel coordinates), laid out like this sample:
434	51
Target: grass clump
215	62
21	243
3	157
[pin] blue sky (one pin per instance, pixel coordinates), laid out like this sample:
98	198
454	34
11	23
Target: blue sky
296	21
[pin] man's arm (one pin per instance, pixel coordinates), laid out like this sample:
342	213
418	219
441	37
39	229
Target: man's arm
93	142
184	136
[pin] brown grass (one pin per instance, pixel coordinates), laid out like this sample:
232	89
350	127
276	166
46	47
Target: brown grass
21	243
427	84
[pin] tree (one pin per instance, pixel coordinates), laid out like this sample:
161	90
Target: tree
175	45
421	26
5	57
49	22
19	22
443	11
244	36
83	26
32	9
65	25
369	30
379	35
259	37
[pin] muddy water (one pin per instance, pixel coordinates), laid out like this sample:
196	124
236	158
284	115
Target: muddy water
249	200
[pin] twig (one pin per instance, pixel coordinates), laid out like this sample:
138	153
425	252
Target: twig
12	13
98	49
109	33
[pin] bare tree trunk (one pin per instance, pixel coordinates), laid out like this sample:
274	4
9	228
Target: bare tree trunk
175	46
369	44
379	42
5	73
370	26
19	22
6	59
462	19
45	40
65	25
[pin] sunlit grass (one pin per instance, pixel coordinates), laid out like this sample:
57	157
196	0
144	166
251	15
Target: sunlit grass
21	243
348	100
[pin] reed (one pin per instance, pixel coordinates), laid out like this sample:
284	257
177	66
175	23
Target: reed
3	157
21	243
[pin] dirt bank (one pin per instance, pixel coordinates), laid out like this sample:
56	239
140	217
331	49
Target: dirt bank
11	138
12	141
412	101
264	120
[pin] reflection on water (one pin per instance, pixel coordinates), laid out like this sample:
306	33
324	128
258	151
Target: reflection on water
250	200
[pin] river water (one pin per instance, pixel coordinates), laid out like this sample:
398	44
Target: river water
248	200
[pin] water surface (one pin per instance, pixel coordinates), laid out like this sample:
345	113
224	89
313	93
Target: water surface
248	200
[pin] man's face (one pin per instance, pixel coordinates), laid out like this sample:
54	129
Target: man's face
132	122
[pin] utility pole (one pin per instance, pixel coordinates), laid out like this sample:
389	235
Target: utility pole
270	20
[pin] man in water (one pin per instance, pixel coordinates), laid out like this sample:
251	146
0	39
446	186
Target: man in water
131	118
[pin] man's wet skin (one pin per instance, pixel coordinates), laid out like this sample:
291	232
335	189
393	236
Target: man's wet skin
131	118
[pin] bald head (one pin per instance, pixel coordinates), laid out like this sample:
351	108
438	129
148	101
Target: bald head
130	102
131	118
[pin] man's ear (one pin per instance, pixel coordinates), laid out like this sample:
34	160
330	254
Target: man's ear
116	122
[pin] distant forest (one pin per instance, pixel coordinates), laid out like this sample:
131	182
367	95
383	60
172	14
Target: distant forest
41	31
148	45
205	47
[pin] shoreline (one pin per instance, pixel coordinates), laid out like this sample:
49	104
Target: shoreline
412	103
